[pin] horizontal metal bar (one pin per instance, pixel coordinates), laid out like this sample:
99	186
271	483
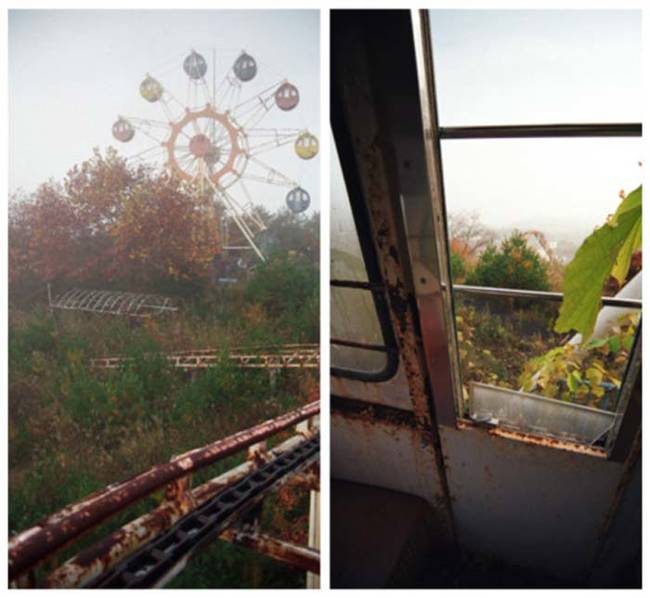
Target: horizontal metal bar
302	557
537	131
357	345
540	295
357	284
33	545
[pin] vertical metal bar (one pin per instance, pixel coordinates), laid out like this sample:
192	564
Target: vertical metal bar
433	156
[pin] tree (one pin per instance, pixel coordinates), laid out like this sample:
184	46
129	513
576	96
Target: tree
468	235
458	268
110	222
513	265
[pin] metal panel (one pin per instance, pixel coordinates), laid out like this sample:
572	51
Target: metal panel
530	505
537	414
379	453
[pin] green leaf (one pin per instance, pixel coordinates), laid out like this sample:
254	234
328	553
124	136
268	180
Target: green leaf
614	344
595	343
632	203
607	250
572	382
627	342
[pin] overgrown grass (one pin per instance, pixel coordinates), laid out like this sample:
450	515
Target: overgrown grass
73	429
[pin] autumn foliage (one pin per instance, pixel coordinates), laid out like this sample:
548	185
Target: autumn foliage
111	223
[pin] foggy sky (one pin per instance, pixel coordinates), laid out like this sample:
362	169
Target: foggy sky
538	67
71	73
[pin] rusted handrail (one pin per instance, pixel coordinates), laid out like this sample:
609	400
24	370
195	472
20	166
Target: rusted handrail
180	499
33	545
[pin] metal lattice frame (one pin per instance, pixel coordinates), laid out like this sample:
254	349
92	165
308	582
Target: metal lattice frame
305	356
113	302
213	141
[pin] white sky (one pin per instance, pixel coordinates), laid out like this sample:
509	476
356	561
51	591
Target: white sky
535	67
72	72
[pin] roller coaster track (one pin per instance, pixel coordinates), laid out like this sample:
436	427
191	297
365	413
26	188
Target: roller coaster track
549	253
155	562
278	357
152	549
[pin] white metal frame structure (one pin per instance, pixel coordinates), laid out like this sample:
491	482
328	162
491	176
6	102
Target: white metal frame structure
306	356
116	303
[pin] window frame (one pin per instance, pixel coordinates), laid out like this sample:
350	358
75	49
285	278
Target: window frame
627	420
374	284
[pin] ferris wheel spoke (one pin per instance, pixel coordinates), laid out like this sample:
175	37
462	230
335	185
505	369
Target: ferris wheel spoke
136	121
223	138
144	127
268	139
271	175
206	91
264	97
195	126
221	92
186	163
167	99
184	134
143	153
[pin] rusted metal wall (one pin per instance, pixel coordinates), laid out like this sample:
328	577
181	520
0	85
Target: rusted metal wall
381	453
533	505
390	393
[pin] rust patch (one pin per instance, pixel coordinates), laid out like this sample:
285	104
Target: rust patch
372	412
301	557
534	439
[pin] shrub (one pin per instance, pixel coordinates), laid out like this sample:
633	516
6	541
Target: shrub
513	265
458	268
287	289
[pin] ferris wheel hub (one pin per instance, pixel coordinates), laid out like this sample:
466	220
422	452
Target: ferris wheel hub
200	145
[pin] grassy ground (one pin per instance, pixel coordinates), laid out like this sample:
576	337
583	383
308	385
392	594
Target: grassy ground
73	430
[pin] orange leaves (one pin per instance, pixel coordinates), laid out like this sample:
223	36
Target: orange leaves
109	221
166	231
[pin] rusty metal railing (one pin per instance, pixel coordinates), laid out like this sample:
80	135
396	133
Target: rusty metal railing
39	543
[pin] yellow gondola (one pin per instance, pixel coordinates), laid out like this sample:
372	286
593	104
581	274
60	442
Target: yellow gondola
150	89
306	145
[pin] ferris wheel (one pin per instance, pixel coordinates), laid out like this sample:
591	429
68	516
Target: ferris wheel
214	142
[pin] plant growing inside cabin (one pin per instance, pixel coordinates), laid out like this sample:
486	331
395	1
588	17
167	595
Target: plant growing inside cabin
590	371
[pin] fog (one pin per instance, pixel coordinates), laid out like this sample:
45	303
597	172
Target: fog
71	73
538	67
